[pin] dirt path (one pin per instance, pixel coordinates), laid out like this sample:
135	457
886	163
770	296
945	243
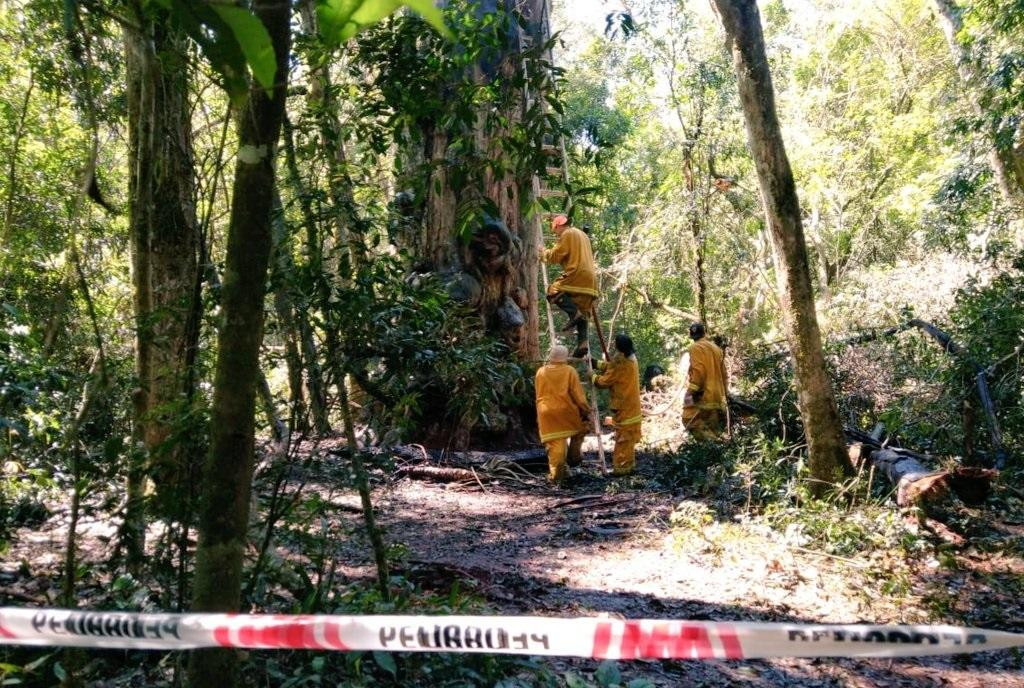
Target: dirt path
607	547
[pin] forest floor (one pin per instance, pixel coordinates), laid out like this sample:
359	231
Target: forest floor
624	547
613	546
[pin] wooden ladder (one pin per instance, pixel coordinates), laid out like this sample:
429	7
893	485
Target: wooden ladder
558	169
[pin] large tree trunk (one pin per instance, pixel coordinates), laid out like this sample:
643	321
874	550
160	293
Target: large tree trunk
464	190
227	479
1006	161
496	270
165	238
827	458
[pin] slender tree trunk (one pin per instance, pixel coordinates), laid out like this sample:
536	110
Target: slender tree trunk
696	229
278	426
165	238
827	458
227	479
314	373
284	307
12	162
350	228
363	486
1006	161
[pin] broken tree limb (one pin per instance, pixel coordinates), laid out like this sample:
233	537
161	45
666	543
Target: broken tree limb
440	474
416	452
980	383
667	308
917	484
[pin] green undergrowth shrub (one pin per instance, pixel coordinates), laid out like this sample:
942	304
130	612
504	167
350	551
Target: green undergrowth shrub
845	530
988	320
426	366
751	467
357	669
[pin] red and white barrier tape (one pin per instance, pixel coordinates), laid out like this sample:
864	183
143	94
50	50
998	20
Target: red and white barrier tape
532	635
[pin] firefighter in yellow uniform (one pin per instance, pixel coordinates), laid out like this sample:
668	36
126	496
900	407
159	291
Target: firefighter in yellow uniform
704	403
561	410
622	376
576	288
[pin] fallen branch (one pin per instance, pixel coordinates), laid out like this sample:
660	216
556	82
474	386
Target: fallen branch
980	383
468	458
440	474
917	484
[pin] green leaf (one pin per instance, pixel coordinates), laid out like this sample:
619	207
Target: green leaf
574	681
607	673
386	662
59	672
639	683
216	41
340	20
254	41
431	14
35	664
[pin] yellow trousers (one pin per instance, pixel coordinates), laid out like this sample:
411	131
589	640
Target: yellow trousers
704	424
624	456
561	452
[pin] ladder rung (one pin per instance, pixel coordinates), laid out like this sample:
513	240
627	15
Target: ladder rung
551	149
553	193
553	171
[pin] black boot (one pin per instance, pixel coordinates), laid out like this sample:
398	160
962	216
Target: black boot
565	304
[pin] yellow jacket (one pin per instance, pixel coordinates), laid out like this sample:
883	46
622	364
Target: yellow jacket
707	375
622	376
573	253
561	404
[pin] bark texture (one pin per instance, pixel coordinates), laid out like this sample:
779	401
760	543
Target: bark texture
494	270
227	475
827	457
165	238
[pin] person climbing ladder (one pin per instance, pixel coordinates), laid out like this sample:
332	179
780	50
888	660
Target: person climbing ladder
575	289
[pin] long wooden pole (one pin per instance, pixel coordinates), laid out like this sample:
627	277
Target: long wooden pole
600	334
594	411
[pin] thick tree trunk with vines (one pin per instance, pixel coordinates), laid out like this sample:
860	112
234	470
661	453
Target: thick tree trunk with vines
493	267
827	457
227	475
495	270
165	237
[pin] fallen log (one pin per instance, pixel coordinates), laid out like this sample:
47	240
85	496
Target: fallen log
916	484
468	458
951	347
439	474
